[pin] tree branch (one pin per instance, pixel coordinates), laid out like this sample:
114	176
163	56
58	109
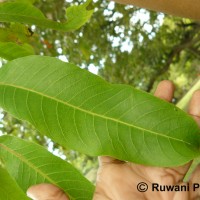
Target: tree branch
186	43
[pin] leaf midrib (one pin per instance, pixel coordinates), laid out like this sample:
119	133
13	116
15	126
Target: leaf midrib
92	113
24	160
44	22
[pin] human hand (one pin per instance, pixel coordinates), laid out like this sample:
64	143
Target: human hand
117	180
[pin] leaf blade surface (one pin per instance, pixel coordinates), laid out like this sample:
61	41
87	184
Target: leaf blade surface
26	13
31	164
83	112
9	190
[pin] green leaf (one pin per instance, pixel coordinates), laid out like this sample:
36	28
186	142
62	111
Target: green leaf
81	111
28	14
21	32
9	190
30	164
14	42
77	16
10	51
21	1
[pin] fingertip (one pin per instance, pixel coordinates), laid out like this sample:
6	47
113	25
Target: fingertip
46	191
195	97
165	90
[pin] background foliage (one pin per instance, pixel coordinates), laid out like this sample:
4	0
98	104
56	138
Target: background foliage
124	44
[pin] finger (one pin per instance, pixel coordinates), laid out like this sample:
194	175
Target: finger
165	90
46	191
195	175
194	106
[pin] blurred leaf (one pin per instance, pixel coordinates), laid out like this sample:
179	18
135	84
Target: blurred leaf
21	1
78	15
15	33
83	112
31	164
28	14
27	1
10	51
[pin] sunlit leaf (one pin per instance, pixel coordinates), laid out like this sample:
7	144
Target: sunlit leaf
30	164
28	14
83	112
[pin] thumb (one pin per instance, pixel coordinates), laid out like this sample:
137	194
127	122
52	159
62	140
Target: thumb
46	191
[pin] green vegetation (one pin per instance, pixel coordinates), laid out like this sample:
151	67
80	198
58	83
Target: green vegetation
72	109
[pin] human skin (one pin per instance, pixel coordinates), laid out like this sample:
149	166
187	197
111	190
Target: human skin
117	180
182	8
